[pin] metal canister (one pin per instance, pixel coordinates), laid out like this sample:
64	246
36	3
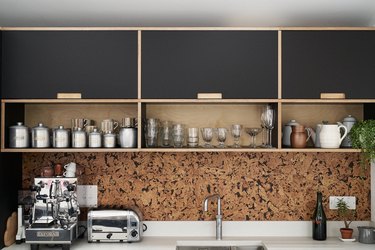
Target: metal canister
109	140
95	139
128	133
60	137
78	138
40	136
19	136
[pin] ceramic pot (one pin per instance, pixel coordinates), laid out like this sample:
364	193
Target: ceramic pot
346	233
330	135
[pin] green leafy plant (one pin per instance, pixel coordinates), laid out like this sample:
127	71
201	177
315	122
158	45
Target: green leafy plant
345	214
362	136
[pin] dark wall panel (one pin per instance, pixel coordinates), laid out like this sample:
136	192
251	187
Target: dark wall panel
99	64
328	61
239	64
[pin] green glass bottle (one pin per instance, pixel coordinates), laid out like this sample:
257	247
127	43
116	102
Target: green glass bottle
319	220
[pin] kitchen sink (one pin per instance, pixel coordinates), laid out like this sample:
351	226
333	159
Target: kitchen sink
219	248
220	245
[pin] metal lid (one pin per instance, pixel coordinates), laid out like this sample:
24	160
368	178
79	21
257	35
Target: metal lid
292	123
350	118
40	126
19	125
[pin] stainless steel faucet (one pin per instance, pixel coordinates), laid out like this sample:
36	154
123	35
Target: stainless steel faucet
219	234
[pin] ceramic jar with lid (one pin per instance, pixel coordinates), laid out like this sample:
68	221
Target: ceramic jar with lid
299	136
287	130
18	136
40	136
348	122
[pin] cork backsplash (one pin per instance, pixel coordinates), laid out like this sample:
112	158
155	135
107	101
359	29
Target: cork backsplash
253	186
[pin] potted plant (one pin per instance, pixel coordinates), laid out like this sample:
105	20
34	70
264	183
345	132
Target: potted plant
362	136
347	216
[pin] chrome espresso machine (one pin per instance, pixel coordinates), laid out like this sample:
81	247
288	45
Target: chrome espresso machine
54	218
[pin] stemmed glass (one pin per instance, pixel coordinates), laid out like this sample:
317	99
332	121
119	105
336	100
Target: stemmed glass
268	121
207	135
253	132
221	136
236	133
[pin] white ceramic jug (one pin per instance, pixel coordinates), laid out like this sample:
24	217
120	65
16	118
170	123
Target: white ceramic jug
330	136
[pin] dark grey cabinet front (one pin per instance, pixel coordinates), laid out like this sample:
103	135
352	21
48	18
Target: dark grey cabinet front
180	64
98	64
317	62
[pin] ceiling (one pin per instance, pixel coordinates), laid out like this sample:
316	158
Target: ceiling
223	13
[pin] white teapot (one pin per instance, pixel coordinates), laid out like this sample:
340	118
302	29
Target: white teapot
330	135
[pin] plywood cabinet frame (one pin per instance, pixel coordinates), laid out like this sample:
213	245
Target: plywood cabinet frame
139	102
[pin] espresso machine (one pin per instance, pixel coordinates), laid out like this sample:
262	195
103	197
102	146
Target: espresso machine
54	218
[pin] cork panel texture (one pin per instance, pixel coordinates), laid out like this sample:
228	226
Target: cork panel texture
253	186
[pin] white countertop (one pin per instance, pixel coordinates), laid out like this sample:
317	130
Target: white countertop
273	235
169	243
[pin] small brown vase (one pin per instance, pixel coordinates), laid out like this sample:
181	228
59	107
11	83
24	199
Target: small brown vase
346	233
58	169
298	137
47	171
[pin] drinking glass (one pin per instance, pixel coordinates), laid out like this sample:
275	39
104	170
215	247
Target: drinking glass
166	134
236	133
253	132
193	137
207	135
221	136
151	132
178	134
268	121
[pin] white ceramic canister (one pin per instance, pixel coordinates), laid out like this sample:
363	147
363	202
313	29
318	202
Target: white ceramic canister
348	122
40	136
60	137
287	131
330	135
78	138
19	136
95	139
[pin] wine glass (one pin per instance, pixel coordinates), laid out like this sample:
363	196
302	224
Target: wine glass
236	133
268	121
207	135
221	136
253	132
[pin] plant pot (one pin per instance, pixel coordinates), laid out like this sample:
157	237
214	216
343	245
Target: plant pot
346	233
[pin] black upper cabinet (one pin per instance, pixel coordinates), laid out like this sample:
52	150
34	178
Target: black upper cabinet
180	64
315	62
98	64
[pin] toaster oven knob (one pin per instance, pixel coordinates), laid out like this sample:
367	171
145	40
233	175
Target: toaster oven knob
134	233
109	235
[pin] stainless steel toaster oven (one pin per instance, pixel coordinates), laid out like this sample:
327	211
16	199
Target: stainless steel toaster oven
114	226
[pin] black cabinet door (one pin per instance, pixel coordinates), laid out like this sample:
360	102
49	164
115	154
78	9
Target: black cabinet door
180	64
98	64
315	62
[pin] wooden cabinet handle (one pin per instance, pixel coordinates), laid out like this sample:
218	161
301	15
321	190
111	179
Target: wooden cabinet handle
69	96
210	96
332	95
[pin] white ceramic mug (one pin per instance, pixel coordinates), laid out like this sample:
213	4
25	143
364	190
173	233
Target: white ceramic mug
71	167
69	174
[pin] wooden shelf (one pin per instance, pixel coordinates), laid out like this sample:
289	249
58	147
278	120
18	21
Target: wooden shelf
176	150
326	101
64	101
194	101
